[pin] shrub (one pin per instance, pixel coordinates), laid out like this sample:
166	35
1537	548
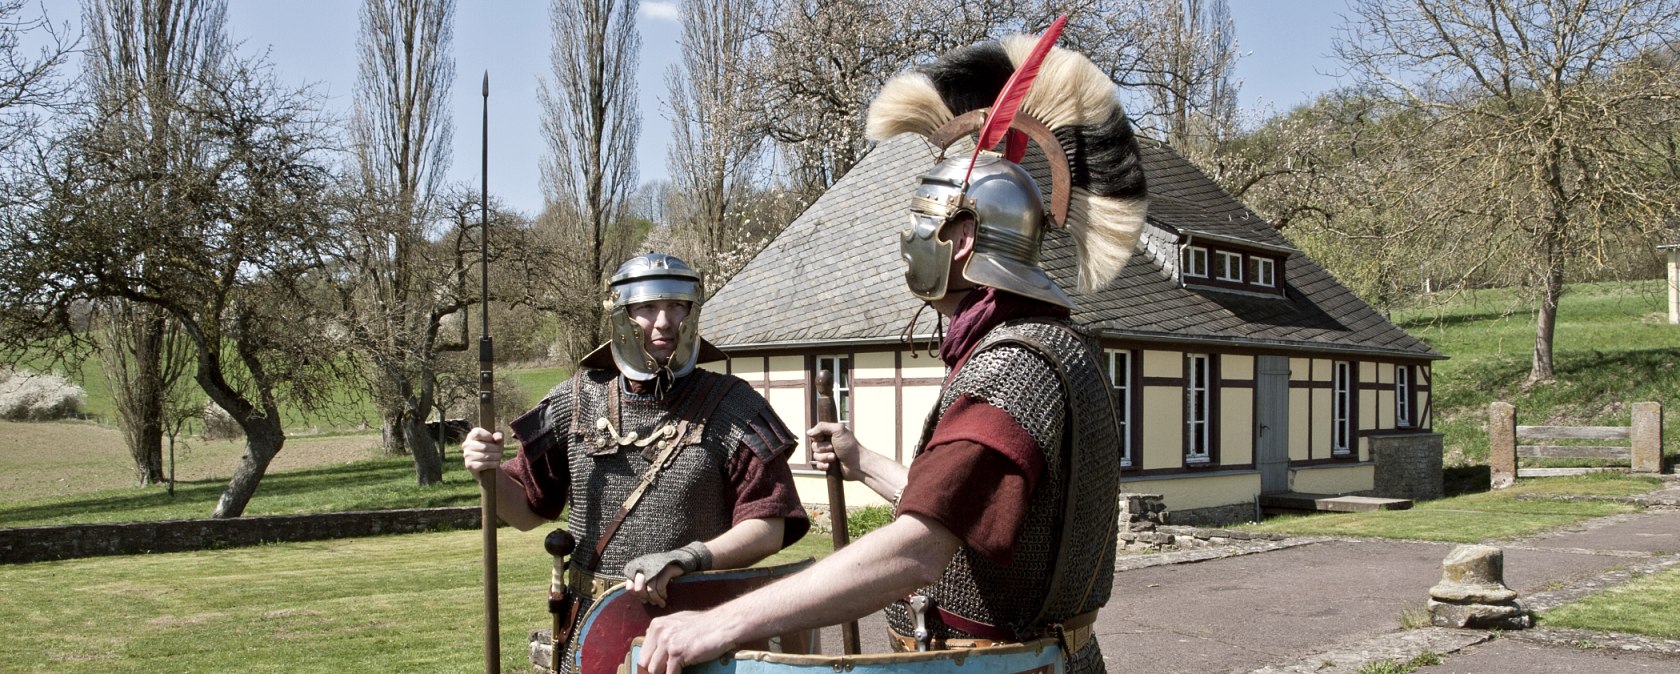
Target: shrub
219	424
864	520
26	396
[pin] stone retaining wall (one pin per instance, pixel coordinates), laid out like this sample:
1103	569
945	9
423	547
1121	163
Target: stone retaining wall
37	544
1407	466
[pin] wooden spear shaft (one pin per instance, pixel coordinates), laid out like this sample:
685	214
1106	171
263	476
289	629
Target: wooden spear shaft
487	409
827	413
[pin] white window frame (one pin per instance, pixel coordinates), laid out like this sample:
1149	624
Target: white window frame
1265	273
1402	396
841	366
1230	266
1120	377
1193	255
1341	408
1198	394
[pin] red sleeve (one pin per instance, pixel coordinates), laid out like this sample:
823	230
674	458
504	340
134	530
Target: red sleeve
976	477
541	467
764	490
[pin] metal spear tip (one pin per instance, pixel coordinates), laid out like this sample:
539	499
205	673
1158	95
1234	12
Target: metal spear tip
486	83
559	542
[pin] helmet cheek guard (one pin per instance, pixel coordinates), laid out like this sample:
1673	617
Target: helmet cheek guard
927	255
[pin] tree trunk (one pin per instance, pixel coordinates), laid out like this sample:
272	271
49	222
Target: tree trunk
263	440
143	422
1546	326
428	461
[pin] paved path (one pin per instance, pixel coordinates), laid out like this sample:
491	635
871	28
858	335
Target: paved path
1329	606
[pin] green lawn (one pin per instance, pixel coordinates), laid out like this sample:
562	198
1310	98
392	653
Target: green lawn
1643	606
372	484
1612	346
1476	518
385	604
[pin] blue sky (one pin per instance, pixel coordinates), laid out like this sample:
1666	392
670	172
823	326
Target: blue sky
1286	46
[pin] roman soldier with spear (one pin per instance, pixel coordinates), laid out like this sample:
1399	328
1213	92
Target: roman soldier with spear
1003	540
662	468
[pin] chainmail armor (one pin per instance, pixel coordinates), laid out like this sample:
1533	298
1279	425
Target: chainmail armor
1020	367
696	506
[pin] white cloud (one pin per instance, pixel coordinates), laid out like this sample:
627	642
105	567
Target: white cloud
662	10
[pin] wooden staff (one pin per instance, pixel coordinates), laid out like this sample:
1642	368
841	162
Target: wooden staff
827	413
487	410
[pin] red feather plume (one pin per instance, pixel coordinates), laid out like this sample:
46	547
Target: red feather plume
1009	98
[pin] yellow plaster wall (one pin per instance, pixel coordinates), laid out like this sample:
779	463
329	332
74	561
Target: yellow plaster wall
1368	411
918	401
1163	427
1299	424
1320	369
1163	364
1236	367
1385	407
750	368
1322	416
877	365
1198	492
1236	426
813	488
873	418
1422	410
789	404
1367	371
785	368
1332	479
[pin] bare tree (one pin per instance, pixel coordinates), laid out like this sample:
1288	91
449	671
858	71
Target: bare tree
29	84
144	57
236	264
1526	90
146	358
715	152
590	122
825	60
401	294
1183	55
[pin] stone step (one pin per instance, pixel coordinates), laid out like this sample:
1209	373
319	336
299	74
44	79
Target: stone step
1296	502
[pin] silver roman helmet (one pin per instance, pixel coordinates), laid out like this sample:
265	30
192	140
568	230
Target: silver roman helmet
648	278
1009	218
1066	106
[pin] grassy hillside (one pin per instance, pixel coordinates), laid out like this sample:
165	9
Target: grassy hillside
1612	348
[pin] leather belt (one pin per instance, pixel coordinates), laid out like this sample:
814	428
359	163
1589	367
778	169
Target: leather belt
590	585
1074	633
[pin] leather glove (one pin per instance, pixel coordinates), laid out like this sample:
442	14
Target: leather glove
690	558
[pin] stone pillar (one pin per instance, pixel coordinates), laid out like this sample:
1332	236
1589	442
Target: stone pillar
1646	434
1472	592
1502	444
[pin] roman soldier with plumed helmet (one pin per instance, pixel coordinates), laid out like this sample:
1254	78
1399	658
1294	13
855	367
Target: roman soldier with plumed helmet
999	530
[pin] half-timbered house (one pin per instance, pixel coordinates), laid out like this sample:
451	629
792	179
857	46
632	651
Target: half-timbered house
1240	366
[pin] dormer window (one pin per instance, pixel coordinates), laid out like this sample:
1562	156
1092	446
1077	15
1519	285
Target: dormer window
1261	272
1230	266
1196	261
1233	267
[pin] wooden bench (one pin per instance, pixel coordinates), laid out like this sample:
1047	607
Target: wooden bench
1642	454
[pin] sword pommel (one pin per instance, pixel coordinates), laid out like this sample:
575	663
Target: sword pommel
560	542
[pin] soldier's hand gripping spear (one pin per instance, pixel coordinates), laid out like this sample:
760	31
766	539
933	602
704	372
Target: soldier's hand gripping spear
827	413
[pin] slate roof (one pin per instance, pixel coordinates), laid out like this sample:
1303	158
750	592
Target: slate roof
834	274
